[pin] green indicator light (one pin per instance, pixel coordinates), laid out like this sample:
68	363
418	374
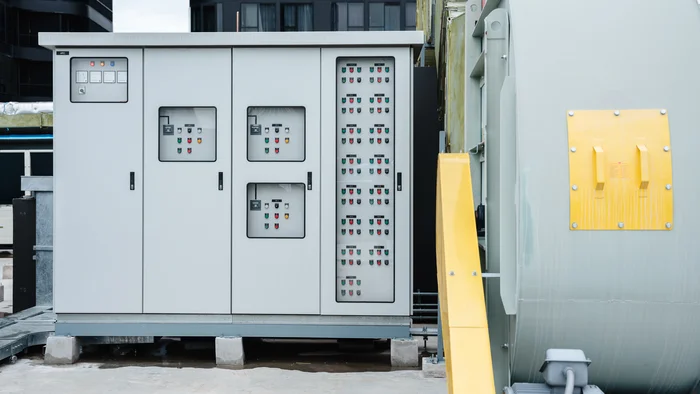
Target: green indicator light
267	225
371	99
359	191
267	216
343	69
342	161
371	232
342	252
386	221
371	69
343	171
342	201
359	100
386	160
371	130
343	191
371	170
267	140
386	253
359	161
371	201
371	141
371	161
179	140
179	150
386	130
371	110
371	262
359	251
358	132
343	79
344	130
386	69
386	99
371	221
343	110
343	100
386	191
359	282
267	150
342	231
342	282
359	69
371	191
371	252
342	262
342	221
359	221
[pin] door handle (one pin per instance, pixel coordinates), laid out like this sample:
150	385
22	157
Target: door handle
132	185
221	181
398	181
308	180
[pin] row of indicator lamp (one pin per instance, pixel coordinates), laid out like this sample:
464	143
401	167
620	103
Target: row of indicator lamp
277	140
102	63
359	221
359	252
350	282
342	292
189	140
343	171
277	130
359	100
359	262
359	232
359	140
277	226
359	69
277	215
359	130
359	191
189	130
179	150
359	80
359	110
359	201
277	150
277	205
352	160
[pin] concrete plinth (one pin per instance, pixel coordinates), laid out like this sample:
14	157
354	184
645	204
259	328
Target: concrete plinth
61	350
2	293
229	352
404	352
433	369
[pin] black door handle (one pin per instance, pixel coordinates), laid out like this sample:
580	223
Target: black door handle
132	186
221	181
308	180
398	181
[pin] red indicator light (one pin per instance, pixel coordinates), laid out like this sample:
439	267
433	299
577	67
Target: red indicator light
277	216
352	130
351	262
379	202
352	140
379	191
189	140
351	200
189	150
352	190
351	231
379	232
379	99
277	150
352	69
352	80
379	80
379	110
352	221
351	161
379	140
352	171
352	110
352	99
351	251
379	130
350	292
277	226
92	64
379	262
277	140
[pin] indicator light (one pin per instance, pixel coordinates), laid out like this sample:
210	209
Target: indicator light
359	80
342	221
379	140
371	232
179	150
359	69
351	231
343	69
102	64
386	130
343	79
379	80
379	201
387	98
286	129
352	190
277	140
277	226
189	140
371	221
352	80
343	130
267	150
342	201
352	130
351	252
386	79
342	231
342	282
199	130
386	253
179	140
371	252
343	100
111	63
286	140
352	140
343	171
342	160
379	69
386	69
343	192
352	160
359	100
277	150
277	215
379	262
351	170
92	64
359	191
371	201
371	110
342	252
359	252
371	160
379	191
386	221
352	69
342	292
267	140
199	140
351	200
351	282
371	80
350	292
352	221
267	226
379	110
371	99
371	262
189	150
371	170
379	232
386	160
371	69
386	191
379	99
267	215
379	130
286	205
352	100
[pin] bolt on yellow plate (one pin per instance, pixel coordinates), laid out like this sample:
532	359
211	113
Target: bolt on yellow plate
620	172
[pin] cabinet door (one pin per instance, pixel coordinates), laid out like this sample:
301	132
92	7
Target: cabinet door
98	181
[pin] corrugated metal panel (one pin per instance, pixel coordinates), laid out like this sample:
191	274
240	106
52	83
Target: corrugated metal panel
454	81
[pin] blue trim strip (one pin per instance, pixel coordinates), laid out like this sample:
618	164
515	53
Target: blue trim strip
27	137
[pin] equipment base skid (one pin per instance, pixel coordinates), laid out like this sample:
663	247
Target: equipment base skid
252	326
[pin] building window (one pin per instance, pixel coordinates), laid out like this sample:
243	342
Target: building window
384	16
258	17
205	18
410	16
348	16
297	17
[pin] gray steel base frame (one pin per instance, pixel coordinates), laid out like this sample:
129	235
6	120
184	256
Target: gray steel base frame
28	328
255	326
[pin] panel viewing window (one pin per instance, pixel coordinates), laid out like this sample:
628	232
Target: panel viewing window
276	133
187	134
276	210
99	80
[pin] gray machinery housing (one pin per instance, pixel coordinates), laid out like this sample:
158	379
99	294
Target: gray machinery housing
627	297
233	184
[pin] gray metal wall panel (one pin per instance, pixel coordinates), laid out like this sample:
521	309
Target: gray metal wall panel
629	299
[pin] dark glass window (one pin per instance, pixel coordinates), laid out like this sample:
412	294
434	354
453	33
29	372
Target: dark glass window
258	17
410	16
348	16
204	18
384	16
297	17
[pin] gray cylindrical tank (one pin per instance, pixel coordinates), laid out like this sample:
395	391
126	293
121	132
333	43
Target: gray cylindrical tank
630	299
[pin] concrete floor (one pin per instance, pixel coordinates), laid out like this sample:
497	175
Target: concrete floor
31	376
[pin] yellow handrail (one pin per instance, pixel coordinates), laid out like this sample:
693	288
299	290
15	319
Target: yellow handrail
461	291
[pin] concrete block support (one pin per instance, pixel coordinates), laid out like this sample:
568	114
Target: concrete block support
404	352
61	350
433	369
229	352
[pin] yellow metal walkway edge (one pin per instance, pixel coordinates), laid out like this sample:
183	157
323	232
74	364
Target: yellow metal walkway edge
460	286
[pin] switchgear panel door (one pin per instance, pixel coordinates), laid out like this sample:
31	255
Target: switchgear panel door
276	115
187	156
98	181
365	204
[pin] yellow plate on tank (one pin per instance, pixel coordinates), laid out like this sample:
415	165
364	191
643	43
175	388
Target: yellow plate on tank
620	170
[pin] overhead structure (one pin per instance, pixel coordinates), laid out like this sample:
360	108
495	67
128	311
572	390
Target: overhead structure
233	184
581	121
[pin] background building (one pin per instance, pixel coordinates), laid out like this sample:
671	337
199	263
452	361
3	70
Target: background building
302	15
